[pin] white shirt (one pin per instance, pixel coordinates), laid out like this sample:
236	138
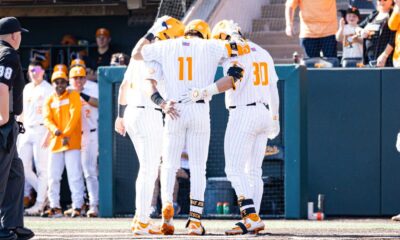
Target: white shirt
259	79
351	49
135	75
33	100
186	63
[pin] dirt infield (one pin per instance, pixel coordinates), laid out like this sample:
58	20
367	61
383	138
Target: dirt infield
118	228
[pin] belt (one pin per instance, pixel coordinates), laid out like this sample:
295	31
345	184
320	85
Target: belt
157	109
91	130
248	105
199	101
38	125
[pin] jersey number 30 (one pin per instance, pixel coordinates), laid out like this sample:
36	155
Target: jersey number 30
260	73
182	68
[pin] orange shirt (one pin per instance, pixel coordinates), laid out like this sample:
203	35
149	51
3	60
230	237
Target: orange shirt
317	17
394	25
64	113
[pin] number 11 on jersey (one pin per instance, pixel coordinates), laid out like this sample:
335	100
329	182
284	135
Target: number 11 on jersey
182	68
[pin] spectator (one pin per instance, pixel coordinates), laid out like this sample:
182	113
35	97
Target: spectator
119	59
318	25
394	25
62	114
30	144
102	57
378	38
183	174
352	44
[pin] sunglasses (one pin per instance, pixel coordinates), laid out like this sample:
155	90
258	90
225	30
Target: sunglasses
36	69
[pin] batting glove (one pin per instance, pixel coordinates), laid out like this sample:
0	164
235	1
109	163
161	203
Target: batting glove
159	25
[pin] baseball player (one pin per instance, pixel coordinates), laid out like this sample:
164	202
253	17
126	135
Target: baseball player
89	93
30	144
142	119
62	117
255	97
186	63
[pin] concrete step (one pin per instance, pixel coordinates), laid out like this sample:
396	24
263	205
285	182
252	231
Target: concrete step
283	51
277	2
272	38
273	11
272	24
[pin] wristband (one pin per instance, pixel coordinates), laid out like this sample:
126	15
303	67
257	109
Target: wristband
149	36
85	97
212	89
157	99
121	110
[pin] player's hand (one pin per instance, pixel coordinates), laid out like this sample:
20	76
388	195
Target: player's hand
381	61
168	108
193	95
236	72
46	140
159	25
57	133
275	129
289	30
119	126
65	141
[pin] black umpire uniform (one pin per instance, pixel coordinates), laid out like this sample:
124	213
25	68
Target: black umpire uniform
11	168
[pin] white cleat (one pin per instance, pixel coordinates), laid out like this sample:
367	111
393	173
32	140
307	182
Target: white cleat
35	210
396	218
251	224
93	212
146	229
195	228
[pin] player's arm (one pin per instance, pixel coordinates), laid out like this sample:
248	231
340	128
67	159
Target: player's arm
4	106
119	125
137	50
48	118
290	8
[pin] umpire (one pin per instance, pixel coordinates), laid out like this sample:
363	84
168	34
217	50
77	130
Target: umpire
11	169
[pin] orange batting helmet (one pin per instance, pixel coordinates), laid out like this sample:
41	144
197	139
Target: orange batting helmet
175	28
199	26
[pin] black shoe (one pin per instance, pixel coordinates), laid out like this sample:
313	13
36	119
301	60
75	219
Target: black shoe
23	233
7	235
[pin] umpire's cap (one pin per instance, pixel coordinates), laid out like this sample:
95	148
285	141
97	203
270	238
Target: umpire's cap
10	25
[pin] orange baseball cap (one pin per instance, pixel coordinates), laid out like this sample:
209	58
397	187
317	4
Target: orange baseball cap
77	71
102	32
77	62
60	67
57	75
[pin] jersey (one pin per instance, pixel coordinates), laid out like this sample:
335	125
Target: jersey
90	114
259	79
34	97
186	63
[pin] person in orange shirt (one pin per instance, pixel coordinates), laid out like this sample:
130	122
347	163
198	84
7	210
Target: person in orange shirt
318	26
62	117
394	25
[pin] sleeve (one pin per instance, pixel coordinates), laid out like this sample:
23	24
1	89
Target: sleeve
75	111
274	89
394	20
153	71
292	3
154	51
8	69
48	116
218	49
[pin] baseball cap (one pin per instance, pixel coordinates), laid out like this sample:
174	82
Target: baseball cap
353	10
102	32
77	71
10	25
57	75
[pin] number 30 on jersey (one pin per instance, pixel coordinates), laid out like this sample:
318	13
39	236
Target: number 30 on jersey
260	73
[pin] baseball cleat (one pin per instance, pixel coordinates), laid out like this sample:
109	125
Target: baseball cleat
396	218
167	227
146	229
72	212
35	210
133	224
93	212
52	213
251	224
195	228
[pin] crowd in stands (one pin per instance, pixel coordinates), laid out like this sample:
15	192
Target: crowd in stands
370	41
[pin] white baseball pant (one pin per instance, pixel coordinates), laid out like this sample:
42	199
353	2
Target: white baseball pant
89	153
145	128
31	152
245	142
193	126
71	159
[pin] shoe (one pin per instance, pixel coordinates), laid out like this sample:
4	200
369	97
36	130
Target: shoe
23	233
177	208
153	212
195	228
35	210
72	212
167	227
133	224
146	229
27	201
93	212
251	224
52	213
6	234
396	218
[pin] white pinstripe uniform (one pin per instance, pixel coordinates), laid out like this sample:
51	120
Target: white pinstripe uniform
249	127
186	63
29	143
90	143
144	125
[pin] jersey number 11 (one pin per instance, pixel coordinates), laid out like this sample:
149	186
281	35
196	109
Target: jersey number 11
182	68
